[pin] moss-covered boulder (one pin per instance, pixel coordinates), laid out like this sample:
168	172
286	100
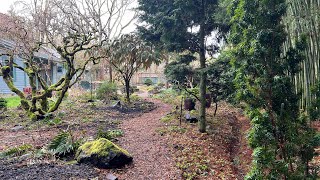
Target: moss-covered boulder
102	153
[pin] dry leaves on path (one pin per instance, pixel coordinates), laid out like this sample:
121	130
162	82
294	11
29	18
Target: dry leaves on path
151	154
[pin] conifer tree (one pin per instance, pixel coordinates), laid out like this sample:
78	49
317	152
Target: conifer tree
280	135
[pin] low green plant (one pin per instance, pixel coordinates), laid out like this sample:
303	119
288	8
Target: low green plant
63	144
169	96
175	129
109	134
107	91
168	118
16	151
148	82
3	103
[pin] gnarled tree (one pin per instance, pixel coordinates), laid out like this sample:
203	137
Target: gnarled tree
71	31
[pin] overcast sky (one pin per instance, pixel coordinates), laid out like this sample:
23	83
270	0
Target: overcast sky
5	5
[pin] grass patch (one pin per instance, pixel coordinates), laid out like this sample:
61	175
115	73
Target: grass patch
13	101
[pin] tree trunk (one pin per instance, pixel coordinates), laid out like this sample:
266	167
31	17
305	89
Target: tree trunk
110	73
127	84
167	83
203	79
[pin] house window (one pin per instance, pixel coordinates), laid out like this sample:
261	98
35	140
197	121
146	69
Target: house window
59	69
5	62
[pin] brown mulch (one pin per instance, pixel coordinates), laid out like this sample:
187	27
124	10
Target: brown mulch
151	153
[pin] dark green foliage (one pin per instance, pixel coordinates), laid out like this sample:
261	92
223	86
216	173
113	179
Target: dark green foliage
3	103
148	82
181	25
107	91
109	134
63	144
314	110
180	73
220	77
16	151
281	137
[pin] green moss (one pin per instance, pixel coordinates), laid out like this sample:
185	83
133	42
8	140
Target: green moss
101	147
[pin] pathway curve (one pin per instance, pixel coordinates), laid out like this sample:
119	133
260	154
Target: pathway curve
151	154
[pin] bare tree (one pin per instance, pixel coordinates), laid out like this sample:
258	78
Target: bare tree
111	17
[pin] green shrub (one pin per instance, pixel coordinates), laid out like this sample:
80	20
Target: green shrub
107	91
109	134
3	103
148	82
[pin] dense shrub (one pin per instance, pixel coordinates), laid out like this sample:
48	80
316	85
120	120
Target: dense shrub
148	82
107	91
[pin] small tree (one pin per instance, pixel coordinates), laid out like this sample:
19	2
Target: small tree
127	55
183	25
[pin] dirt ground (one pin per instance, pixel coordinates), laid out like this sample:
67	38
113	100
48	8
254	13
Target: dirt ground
160	150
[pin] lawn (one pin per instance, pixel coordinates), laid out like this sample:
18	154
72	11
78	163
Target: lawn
13	101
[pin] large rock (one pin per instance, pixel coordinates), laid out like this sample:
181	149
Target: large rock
102	153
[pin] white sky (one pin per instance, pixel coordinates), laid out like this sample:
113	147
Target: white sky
5	5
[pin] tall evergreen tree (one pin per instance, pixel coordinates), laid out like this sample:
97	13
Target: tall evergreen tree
182	25
280	136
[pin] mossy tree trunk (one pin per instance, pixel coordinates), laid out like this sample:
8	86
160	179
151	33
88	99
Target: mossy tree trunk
37	103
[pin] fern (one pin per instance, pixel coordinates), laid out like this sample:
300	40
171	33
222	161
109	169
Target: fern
63	144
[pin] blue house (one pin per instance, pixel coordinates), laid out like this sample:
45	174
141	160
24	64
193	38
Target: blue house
51	63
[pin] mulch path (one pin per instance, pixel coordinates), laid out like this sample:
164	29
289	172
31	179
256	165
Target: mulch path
151	153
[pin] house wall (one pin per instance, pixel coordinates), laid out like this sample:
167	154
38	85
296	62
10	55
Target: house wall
155	73
19	77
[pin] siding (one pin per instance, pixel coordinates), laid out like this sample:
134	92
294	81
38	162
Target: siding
20	79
